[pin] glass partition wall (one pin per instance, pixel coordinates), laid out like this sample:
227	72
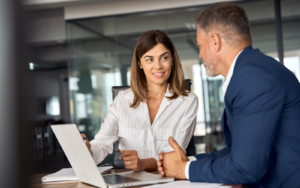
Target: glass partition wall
291	35
101	51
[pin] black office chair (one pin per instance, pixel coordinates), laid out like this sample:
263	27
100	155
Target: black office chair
119	163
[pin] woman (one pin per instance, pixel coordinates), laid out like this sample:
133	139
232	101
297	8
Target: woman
155	107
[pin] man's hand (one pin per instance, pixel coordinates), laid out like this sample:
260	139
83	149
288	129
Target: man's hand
172	164
87	143
160	163
132	160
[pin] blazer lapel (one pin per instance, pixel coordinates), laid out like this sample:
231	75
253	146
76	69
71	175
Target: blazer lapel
225	126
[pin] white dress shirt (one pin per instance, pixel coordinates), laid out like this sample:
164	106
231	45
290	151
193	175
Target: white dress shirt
224	88
176	118
229	75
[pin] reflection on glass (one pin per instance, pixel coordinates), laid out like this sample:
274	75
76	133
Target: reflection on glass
293	64
291	35
52	106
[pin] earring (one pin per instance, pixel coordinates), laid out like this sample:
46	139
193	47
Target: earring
141	67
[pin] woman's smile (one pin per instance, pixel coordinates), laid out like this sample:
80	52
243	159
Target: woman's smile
158	74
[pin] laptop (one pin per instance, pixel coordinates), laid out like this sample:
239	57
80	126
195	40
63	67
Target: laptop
86	169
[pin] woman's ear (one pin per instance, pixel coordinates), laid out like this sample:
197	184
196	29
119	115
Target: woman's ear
140	64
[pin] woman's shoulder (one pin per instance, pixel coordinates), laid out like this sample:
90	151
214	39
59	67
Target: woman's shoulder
191	96
126	93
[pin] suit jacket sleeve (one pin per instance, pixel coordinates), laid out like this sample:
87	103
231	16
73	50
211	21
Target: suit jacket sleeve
213	154
256	101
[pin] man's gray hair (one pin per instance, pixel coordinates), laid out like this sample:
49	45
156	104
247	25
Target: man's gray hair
229	19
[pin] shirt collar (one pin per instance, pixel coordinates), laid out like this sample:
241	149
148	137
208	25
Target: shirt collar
229	75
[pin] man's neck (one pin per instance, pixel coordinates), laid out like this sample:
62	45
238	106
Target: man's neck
231	54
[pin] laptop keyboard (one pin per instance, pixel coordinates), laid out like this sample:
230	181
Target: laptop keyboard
116	179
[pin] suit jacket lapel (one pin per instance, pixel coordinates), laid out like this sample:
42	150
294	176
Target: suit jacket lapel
225	126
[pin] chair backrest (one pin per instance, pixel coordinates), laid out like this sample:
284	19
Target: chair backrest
118	163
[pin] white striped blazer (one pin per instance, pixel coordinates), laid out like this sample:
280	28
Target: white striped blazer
176	118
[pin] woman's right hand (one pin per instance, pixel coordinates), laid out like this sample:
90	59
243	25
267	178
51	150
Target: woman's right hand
87	143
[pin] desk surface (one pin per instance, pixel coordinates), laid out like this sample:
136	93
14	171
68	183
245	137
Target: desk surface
35	182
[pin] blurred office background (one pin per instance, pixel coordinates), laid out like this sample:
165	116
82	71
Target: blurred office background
79	49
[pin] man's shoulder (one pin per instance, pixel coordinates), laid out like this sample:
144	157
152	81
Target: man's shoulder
256	60
255	64
254	73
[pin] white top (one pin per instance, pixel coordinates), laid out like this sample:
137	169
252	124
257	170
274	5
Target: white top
224	88
176	118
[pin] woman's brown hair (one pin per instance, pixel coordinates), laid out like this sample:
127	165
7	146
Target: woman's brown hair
138	81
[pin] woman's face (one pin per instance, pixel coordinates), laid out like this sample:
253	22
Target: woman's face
156	64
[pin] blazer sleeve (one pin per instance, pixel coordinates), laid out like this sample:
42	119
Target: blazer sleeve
103	142
257	100
213	154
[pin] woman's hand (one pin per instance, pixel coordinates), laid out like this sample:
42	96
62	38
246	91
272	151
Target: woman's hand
132	160
87	143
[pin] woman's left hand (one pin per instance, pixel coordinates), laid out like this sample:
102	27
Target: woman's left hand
132	160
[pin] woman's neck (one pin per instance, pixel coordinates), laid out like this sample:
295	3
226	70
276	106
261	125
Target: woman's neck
157	91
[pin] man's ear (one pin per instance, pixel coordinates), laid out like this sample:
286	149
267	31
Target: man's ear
215	41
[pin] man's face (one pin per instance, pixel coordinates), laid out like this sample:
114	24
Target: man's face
206	53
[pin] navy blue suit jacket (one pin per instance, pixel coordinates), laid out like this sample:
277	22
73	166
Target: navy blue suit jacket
261	126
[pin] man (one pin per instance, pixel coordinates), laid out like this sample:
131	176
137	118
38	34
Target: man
261	120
